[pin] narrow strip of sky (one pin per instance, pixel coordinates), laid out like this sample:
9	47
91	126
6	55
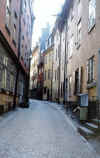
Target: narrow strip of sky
44	11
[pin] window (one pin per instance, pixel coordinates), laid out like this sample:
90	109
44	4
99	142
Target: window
79	8
79	32
70	46
45	75
56	54
24	6
5	61
77	81
11	82
62	89
70	84
4	77
8	13
23	37
90	69
55	76
51	74
8	3
15	14
92	13
72	13
45	59
14	32
48	74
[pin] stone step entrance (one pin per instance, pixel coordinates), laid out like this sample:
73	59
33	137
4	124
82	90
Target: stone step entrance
90	129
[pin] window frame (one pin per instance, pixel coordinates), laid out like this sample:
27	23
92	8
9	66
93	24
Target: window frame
90	70
92	15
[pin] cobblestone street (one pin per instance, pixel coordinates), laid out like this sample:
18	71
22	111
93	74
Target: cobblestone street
42	131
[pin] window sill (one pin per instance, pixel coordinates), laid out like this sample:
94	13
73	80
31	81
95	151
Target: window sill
91	84
91	28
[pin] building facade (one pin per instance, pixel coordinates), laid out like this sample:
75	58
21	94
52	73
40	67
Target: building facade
34	70
77	52
83	47
56	64
10	22
48	69
40	79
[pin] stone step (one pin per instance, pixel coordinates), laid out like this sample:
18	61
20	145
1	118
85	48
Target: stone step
95	121
91	126
85	132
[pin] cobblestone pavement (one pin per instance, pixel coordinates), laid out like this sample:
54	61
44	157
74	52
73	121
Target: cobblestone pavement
42	131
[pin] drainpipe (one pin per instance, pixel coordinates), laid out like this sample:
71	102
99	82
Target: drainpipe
18	61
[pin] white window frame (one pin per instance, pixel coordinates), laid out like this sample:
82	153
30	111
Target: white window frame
92	14
79	32
90	70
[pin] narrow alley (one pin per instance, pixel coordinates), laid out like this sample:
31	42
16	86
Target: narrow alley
42	131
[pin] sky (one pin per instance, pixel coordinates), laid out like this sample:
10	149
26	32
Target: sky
44	11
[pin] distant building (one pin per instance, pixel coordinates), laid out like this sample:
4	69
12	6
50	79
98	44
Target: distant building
44	37
34	71
56	70
40	77
48	68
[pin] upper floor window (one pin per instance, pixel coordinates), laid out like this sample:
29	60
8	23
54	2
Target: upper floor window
79	8
70	85
90	69
48	74
24	6
72	13
14	32
92	13
4	78
8	13
77	81
56	54
15	15
79	32
8	2
70	46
